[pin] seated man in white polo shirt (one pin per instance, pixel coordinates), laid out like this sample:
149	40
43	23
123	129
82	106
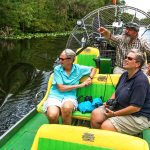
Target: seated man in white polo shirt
62	98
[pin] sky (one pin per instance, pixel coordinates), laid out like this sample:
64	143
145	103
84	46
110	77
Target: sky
140	4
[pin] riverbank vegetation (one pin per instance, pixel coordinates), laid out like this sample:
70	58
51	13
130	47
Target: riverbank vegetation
23	18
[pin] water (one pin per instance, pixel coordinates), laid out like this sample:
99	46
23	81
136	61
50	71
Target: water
25	67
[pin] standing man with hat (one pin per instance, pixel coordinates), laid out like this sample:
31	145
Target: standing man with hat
124	43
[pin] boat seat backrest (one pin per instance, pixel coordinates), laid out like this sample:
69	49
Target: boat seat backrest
96	91
86	57
86	60
65	137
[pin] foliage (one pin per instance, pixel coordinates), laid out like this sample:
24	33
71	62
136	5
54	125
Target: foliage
7	31
36	35
44	16
23	18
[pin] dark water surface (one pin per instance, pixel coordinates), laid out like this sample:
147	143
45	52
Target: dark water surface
25	67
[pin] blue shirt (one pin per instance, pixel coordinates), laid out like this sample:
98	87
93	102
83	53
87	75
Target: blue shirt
134	91
61	77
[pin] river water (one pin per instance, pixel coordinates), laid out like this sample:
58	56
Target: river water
25	67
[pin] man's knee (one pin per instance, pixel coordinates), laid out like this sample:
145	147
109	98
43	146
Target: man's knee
97	116
104	125
52	113
67	108
94	113
52	116
93	116
107	125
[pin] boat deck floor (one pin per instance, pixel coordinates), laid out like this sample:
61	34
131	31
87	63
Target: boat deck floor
24	138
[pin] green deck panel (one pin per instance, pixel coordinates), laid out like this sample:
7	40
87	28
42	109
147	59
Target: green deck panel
146	136
24	138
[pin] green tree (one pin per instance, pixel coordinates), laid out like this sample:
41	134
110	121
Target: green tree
26	16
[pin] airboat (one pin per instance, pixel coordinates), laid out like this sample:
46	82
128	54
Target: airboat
34	132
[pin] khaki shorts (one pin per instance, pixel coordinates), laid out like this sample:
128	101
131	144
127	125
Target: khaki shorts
127	124
55	102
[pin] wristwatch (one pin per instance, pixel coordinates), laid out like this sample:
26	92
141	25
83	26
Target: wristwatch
91	77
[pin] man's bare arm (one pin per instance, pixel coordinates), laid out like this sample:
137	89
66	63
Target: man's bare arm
66	88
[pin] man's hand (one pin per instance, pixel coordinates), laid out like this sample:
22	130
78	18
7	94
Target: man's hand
82	84
105	105
88	82
109	113
105	32
148	71
101	30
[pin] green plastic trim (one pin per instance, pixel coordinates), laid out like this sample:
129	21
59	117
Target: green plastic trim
78	113
41	108
105	66
46	144
86	60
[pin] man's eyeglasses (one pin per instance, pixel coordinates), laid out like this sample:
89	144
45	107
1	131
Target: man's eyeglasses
129	58
62	59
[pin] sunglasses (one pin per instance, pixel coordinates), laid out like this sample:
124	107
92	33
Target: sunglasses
62	59
129	58
131	25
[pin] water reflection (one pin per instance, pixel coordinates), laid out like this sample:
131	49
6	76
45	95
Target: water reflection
25	68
